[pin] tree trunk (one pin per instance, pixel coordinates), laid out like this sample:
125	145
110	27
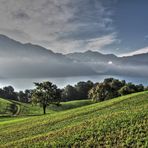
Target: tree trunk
44	109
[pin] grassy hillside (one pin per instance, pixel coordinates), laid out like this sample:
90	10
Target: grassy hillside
23	109
120	122
7	107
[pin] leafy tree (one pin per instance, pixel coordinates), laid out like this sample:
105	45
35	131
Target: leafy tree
69	93
131	88
28	94
45	94
82	89
77	92
111	88
100	92
9	93
125	90
140	88
116	84
1	93
21	96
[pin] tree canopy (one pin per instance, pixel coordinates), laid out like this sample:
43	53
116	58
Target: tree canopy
111	88
45	94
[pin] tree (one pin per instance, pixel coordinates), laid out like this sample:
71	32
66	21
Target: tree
131	88
77	92
140	88
28	94
69	93
108	89
82	89
9	93
100	92
125	90
21	96
45	94
1	93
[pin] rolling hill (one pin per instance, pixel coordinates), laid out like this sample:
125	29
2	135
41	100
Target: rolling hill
23	109
6	107
120	122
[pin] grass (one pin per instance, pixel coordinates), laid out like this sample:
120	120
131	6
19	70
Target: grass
7	107
23	109
120	122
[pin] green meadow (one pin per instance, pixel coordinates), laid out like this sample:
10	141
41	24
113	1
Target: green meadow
119	122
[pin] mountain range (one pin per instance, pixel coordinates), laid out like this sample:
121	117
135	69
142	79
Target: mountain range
18	60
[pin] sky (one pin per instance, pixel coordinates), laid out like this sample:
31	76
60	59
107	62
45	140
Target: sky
65	26
108	26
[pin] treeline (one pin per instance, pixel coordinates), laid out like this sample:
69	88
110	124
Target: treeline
111	88
108	89
77	92
9	93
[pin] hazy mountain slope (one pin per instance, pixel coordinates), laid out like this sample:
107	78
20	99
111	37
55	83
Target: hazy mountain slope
92	56
110	64
27	60
19	60
136	59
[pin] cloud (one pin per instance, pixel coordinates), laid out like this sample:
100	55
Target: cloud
93	44
59	25
139	51
21	15
103	41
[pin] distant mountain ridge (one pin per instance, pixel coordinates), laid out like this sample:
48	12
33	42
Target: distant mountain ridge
9	46
137	59
28	60
91	56
94	56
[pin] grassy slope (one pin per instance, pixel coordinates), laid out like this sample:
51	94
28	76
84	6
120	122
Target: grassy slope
23	109
117	123
5	107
